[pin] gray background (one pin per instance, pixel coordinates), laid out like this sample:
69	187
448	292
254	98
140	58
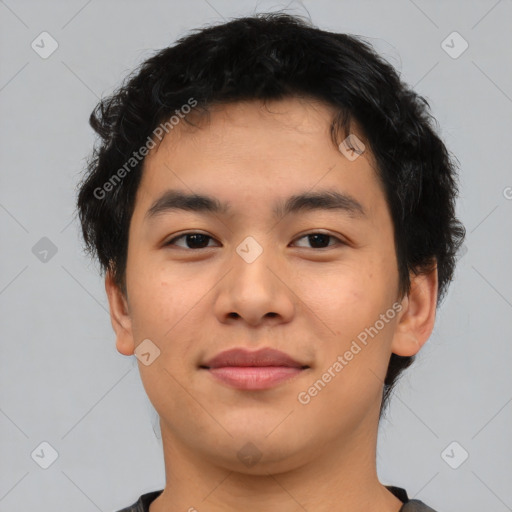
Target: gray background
62	380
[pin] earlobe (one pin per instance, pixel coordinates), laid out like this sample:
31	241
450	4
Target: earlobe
119	316
416	320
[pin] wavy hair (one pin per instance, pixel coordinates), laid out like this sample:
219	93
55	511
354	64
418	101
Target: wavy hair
271	57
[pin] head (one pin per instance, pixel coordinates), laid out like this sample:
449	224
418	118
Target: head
250	113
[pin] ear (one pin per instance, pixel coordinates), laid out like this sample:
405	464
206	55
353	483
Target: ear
416	320
119	316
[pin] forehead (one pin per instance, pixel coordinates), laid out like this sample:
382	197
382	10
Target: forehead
255	147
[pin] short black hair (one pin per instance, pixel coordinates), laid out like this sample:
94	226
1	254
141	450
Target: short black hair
272	56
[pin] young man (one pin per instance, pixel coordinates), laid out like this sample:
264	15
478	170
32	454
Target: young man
275	217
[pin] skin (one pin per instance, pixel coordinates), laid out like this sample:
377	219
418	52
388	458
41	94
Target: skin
307	301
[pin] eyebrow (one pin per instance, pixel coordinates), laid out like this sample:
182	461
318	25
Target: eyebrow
174	200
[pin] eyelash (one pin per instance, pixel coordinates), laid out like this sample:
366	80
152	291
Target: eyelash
171	242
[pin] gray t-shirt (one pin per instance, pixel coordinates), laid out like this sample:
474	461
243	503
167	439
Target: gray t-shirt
142	504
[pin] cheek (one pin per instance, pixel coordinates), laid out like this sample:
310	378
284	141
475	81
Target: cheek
346	302
344	296
156	304
168	310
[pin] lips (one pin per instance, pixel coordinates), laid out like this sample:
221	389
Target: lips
253	371
240	357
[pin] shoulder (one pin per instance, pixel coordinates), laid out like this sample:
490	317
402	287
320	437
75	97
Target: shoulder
416	506
408	505
142	504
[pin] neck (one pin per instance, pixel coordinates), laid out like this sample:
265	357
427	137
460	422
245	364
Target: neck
341	478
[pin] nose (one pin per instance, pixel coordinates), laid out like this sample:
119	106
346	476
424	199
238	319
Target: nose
256	292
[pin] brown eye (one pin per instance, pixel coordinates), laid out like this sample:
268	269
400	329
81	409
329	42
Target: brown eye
192	240
320	240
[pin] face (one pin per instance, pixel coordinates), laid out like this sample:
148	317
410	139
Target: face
308	277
